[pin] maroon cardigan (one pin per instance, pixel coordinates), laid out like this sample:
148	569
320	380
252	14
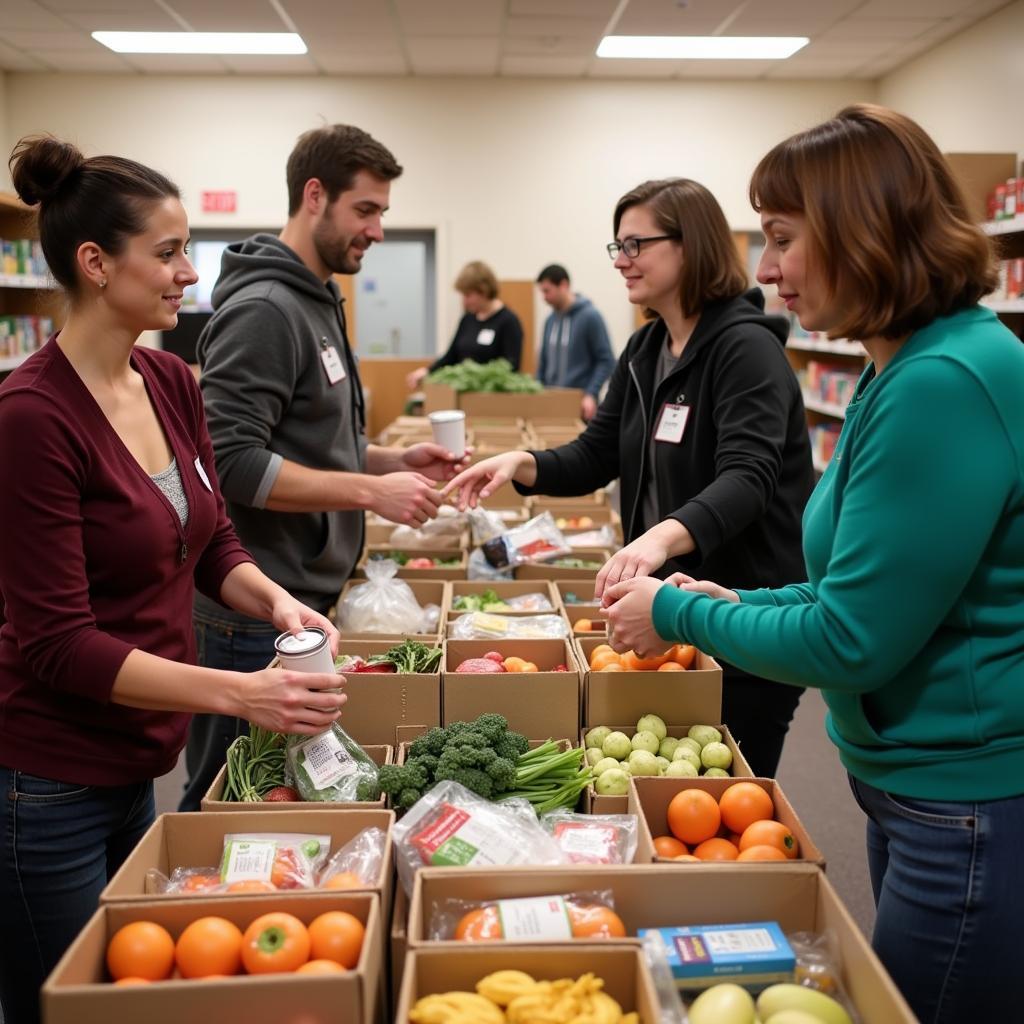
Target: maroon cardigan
94	563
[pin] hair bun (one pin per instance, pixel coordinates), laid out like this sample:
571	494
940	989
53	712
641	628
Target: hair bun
40	167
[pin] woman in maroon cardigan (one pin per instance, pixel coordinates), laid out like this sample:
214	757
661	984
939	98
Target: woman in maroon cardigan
111	517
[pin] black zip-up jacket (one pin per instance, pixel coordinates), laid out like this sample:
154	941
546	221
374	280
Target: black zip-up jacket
742	474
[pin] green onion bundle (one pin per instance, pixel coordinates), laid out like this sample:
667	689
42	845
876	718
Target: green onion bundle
550	778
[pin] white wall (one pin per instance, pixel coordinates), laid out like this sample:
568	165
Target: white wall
515	172
967	92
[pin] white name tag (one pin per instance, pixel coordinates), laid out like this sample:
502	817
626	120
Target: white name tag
332	365
485	337
672	423
202	475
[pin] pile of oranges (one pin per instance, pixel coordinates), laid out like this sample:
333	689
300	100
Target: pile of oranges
677	658
586	921
143	951
740	825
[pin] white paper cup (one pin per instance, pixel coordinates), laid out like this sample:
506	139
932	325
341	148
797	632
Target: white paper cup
449	427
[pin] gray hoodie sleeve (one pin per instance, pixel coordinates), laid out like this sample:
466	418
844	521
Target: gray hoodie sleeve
602	358
249	370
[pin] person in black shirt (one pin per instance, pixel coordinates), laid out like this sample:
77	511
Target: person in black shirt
489	329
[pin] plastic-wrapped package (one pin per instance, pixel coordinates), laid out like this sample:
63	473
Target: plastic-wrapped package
478	568
331	767
489	626
818	966
484	525
384	604
600	538
447	527
357	863
285	860
581	915
192	881
537	540
450	825
594	838
489	601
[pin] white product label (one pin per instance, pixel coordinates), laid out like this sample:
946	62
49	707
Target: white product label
540	917
590	841
326	760
485	337
247	861
752	940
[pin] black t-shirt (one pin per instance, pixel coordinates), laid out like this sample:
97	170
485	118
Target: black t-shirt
500	336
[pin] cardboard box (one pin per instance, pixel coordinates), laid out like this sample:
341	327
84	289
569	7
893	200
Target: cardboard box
626	978
398	945
213	799
378	702
454	572
691	696
596	803
593	612
379	535
504	589
425	591
555	402
197	840
77	991
583	591
797	895
539	704
553	571
649	799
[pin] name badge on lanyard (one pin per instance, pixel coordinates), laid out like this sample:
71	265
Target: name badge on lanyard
485	337
672	423
332	363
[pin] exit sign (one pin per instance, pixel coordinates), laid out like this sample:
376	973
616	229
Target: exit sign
219	202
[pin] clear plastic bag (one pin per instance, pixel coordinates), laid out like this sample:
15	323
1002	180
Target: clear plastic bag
357	863
559	918
489	601
285	860
818	966
444	531
489	626
449	825
195	881
330	766
537	540
384	604
484	525
478	568
593	838
601	538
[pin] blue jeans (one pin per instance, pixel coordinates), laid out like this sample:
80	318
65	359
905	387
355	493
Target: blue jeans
950	902
60	843
238	645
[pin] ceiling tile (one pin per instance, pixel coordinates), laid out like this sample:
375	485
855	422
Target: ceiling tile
666	17
544	67
148	19
450	17
725	68
66	61
867	49
269	64
589	27
915	8
49	40
227	15
364	64
828	11
882	28
568	8
541	46
60	6
24	14
471	55
315	19
176	63
17	60
834	67
351	46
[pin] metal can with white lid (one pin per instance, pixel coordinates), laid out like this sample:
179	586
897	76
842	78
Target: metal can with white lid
307	651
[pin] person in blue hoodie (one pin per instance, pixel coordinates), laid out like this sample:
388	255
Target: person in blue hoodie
703	425
575	351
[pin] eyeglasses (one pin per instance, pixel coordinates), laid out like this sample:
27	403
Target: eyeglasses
631	246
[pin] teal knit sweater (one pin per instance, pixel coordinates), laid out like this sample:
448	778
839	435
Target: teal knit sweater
912	622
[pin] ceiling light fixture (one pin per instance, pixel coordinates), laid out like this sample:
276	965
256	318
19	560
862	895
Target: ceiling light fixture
701	47
202	42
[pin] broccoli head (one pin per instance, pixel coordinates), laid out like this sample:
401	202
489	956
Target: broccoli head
431	742
398	779
512	746
406	799
492	725
503	774
428	762
474	779
368	789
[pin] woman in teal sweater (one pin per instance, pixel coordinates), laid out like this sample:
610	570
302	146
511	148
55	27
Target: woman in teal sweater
912	622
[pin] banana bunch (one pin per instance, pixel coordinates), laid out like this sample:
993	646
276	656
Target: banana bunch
456	1008
565	1001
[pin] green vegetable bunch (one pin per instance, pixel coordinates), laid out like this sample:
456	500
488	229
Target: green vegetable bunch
491	761
488	601
497	375
255	765
409	656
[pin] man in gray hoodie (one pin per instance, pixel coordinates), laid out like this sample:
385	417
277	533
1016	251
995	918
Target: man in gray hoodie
285	410
575	351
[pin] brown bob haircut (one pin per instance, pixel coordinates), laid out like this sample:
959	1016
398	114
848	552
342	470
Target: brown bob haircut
712	268
477	277
334	155
887	221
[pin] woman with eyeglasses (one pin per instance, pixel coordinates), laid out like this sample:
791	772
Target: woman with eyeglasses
703	424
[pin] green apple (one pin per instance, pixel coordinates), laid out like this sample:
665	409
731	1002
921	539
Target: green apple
614	782
667	747
617	745
680	770
646	741
686	754
704	734
688	741
716	755
663	762
604	765
643	762
593	755
624	765
596	736
652	723
716	773
723	1004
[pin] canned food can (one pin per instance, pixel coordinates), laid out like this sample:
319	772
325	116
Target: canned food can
307	651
